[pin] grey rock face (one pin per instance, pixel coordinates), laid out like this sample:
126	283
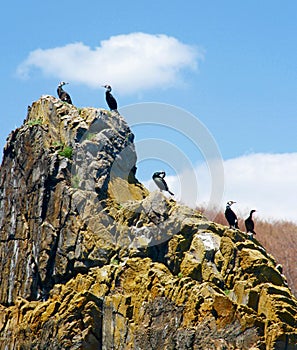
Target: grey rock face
54	183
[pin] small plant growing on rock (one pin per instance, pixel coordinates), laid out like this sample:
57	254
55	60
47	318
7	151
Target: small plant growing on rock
114	261
63	150
66	152
58	144
90	136
35	122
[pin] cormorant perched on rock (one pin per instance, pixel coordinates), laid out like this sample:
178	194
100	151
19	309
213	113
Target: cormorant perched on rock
231	216
110	100
158	178
249	224
63	95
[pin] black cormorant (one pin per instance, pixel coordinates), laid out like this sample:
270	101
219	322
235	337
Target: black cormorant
63	95
231	216
110	100
249	224
158	178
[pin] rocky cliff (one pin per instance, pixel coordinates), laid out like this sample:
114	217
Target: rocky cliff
91	260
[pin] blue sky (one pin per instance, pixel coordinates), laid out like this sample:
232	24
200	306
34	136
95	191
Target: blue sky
231	64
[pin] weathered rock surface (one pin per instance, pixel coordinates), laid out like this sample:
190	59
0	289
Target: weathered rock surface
91	260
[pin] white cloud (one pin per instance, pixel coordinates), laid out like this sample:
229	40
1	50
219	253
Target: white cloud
266	182
130	62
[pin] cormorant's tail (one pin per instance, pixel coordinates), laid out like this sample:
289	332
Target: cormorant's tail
251	231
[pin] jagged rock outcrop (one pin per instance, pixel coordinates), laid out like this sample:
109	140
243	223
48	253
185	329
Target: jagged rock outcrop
91	260
55	177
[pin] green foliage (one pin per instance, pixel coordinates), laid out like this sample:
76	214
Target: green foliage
35	122
58	144
227	292
114	261
180	275
90	136
66	152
